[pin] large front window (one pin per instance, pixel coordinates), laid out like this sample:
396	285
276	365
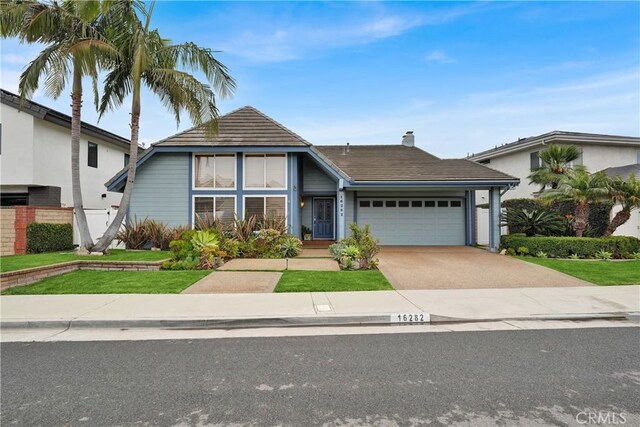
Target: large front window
221	208
265	206
265	171
215	171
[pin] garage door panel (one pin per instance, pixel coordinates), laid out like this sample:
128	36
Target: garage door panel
425	222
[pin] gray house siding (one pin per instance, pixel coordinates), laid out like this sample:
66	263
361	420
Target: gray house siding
161	190
315	180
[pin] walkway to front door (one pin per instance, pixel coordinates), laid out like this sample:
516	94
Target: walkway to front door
323	218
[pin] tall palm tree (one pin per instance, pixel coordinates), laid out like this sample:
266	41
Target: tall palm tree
627	193
75	46
556	163
146	59
582	188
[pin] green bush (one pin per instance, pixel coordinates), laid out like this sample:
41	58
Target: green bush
45	237
564	247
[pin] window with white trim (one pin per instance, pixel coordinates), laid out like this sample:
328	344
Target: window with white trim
222	208
265	171
265	206
215	171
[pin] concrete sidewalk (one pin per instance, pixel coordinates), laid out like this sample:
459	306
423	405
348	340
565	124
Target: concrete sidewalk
330	308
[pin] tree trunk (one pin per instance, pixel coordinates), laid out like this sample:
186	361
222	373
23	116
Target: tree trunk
112	230
581	218
76	106
619	219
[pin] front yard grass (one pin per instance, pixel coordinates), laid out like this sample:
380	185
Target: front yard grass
113	282
20	262
603	273
332	281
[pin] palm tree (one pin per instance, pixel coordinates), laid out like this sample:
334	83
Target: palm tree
627	193
556	163
146	59
75	46
582	188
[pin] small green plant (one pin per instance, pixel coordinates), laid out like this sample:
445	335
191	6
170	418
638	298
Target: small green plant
336	249
537	221
349	264
511	252
603	255
523	250
351	252
635	255
289	246
574	256
204	240
541	254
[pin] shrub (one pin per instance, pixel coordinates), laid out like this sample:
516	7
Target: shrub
356	251
574	256
336	249
563	247
158	234
243	228
133	233
522	250
273	222
541	254
45	237
204	240
537	221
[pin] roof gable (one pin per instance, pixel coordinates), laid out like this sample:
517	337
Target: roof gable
245	126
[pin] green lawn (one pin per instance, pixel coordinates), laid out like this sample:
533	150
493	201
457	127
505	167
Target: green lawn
19	262
598	272
112	282
332	281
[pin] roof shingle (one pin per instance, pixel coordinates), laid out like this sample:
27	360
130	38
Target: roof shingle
401	163
244	126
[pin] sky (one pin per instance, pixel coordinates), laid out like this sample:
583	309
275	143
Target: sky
464	76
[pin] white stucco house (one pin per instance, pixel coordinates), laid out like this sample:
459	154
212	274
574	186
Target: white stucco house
35	158
599	152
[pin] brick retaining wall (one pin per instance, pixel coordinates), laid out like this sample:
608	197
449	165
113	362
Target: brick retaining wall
27	276
16	219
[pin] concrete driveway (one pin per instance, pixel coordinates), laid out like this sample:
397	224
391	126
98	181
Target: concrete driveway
463	267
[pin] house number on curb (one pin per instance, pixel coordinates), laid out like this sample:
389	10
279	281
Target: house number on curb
410	318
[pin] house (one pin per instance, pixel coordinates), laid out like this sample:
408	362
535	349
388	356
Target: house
256	166
612	153
35	151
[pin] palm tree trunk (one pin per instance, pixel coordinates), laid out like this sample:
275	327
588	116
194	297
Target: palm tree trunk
112	230
76	106
581	218
619	219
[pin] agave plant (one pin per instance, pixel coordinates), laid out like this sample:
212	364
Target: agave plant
534	222
202	240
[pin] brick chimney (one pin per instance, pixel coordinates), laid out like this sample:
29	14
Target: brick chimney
408	140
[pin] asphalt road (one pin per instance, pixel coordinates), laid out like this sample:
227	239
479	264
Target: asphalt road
459	378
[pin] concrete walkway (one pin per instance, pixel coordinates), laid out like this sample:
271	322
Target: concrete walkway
464	267
241	282
247	310
260	264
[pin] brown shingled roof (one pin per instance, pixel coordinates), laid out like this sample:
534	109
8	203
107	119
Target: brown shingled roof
401	163
244	126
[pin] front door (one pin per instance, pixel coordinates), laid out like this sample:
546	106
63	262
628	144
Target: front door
323	217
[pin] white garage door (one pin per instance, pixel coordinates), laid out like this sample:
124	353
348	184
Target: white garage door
414	221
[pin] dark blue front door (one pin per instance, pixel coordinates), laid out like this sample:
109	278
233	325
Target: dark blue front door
323	215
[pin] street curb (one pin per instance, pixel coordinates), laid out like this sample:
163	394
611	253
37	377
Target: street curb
292	321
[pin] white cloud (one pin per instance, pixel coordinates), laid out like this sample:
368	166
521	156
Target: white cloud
439	56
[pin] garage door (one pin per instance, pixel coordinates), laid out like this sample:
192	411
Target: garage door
414	221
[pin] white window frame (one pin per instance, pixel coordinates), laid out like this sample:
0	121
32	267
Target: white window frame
265	196
193	205
194	170
244	172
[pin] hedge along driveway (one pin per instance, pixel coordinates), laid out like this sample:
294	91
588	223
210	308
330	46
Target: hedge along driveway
20	262
563	247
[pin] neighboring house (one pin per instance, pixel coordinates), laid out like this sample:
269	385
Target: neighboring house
35	151
599	152
256	166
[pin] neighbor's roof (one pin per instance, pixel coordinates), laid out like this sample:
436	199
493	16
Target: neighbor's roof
556	137
401	163
245	126
623	171
61	119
